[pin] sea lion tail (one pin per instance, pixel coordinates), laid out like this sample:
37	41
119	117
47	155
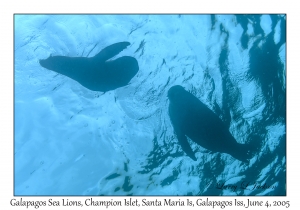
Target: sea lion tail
247	151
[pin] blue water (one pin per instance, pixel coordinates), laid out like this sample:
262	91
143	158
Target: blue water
70	140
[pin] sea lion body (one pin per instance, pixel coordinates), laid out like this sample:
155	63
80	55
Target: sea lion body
190	117
96	73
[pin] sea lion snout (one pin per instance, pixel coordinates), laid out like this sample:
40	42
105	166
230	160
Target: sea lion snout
175	91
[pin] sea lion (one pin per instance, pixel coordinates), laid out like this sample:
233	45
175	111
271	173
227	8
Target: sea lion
96	73
190	117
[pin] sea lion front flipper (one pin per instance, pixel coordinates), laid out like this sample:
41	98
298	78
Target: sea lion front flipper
111	51
185	145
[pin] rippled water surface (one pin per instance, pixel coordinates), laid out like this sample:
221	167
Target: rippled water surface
70	140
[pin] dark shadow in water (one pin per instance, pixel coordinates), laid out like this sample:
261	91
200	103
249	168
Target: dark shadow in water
268	70
244	20
265	65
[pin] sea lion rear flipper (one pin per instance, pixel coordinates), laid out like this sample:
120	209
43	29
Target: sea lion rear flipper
185	145
111	51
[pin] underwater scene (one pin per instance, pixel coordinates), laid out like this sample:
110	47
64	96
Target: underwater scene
160	104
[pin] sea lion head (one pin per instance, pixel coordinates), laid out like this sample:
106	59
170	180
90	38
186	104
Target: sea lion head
175	93
54	63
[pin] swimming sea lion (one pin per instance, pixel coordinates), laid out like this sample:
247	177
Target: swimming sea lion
96	73
190	117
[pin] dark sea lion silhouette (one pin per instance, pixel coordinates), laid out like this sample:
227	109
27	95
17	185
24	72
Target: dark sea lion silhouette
190	117
96	73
